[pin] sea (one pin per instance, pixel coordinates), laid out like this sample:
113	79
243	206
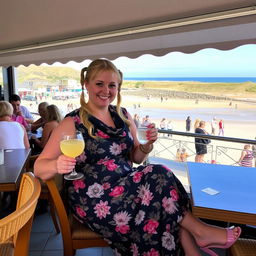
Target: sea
195	79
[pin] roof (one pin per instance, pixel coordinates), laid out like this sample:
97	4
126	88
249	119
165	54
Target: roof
63	30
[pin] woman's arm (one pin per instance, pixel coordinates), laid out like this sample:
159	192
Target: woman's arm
38	123
25	138
140	152
48	128
51	161
243	154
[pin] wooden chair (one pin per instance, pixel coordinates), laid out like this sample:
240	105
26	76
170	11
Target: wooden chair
74	234
15	228
243	247
45	194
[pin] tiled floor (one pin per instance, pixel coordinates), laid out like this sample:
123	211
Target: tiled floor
45	241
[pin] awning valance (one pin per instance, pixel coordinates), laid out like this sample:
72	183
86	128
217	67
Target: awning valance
102	33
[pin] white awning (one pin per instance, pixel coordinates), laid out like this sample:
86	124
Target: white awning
35	32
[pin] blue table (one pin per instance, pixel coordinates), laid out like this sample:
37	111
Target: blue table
236	200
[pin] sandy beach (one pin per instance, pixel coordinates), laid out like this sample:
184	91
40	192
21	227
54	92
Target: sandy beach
239	121
239	118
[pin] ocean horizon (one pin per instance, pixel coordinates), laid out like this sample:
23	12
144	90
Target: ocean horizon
195	79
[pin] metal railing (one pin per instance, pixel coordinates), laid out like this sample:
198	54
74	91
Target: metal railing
221	150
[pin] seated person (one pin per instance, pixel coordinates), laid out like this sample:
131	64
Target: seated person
41	121
12	134
183	155
141	210
20	110
52	120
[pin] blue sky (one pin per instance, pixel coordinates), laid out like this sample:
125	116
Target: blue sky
238	62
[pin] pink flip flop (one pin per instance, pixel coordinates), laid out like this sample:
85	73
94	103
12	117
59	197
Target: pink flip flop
230	241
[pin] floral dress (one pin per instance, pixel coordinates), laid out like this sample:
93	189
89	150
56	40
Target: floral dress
137	210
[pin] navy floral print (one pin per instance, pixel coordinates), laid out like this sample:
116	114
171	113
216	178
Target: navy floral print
137	210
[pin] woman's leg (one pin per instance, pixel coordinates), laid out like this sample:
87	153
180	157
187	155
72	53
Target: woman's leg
204	234
188	243
199	158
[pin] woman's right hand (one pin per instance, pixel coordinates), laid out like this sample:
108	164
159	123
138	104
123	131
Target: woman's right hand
65	164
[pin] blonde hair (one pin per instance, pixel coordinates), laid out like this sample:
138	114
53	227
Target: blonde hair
246	146
53	113
196	124
92	71
6	108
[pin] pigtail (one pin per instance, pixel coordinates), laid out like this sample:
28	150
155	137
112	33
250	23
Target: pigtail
84	109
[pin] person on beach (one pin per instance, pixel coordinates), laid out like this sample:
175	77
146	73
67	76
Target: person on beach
136	120
221	128
214	125
188	124
141	210
169	127
163	125
246	158
201	144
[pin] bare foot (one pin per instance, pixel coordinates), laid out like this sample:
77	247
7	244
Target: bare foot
214	236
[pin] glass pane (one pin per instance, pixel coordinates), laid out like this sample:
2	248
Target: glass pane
59	86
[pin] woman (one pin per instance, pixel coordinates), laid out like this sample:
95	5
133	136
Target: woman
12	134
246	158
52	118
201	144
139	211
221	128
196	124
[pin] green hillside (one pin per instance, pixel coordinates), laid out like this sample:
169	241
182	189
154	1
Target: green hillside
44	73
197	87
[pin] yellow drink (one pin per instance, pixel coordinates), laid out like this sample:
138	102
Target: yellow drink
72	148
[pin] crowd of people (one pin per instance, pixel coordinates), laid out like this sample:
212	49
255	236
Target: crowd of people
18	128
216	128
141	210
